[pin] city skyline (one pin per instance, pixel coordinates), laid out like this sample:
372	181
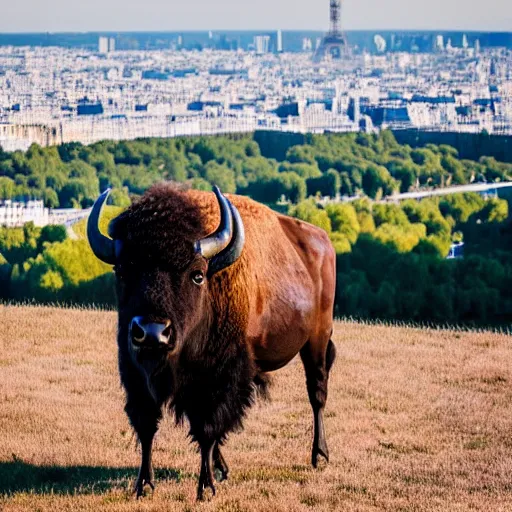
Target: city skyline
156	15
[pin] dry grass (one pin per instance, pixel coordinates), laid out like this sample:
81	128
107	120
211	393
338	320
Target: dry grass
416	420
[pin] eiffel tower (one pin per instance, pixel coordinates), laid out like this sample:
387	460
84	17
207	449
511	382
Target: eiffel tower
334	44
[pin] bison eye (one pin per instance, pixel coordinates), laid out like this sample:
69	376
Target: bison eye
198	278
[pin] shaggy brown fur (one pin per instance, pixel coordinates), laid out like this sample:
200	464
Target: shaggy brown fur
251	318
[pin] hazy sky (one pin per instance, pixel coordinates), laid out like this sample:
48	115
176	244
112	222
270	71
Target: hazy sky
143	15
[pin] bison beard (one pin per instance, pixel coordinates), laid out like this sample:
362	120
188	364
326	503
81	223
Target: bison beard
212	391
214	399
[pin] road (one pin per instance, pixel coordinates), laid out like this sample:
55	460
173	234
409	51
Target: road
476	187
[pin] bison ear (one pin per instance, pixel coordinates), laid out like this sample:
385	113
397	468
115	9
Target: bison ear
234	250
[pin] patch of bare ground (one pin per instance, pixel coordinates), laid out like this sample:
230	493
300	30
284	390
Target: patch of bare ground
417	420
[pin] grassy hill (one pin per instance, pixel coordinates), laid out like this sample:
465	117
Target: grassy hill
416	420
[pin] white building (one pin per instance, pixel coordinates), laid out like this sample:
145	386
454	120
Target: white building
103	44
262	44
279	41
15	214
439	43
307	44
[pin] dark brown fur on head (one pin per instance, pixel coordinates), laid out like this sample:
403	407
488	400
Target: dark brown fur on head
164	221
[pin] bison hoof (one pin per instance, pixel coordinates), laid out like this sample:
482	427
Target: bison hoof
203	486
319	450
221	470
141	484
221	474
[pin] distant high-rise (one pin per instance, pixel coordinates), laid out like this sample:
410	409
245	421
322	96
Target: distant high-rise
103	44
262	44
334	44
106	44
307	44
279	41
439	43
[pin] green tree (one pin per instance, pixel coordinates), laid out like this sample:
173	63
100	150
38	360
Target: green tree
377	182
50	235
120	197
400	238
50	197
221	176
326	185
344	221
7	187
340	243
201	184
308	212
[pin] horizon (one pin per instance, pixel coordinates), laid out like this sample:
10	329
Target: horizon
262	30
74	16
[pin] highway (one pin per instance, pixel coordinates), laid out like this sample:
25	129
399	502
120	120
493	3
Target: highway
460	189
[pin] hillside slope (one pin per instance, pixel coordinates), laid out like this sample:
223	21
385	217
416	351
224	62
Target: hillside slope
416	420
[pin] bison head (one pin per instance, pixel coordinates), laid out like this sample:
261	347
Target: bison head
163	270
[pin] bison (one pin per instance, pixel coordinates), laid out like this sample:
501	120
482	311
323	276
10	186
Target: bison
214	293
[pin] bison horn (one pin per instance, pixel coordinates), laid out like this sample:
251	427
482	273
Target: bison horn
225	246
102	246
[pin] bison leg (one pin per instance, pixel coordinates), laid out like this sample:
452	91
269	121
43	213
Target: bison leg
318	359
146	469
145	421
220	464
206	475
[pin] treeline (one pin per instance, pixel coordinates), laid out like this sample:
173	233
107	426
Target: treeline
469	145
72	175
391	257
391	260
46	265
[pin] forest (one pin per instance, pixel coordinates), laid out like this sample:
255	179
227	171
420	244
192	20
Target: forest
391	257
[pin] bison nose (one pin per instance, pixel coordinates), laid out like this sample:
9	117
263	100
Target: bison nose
150	334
